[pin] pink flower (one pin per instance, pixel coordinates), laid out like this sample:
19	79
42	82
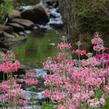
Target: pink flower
22	102
106	88
61	107
57	96
98	47
102	101
81	52
30	74
97	40
63	45
31	81
74	81
47	93
9	67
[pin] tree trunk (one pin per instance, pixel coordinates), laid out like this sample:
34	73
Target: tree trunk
67	8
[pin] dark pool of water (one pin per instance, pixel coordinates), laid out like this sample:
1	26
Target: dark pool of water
37	48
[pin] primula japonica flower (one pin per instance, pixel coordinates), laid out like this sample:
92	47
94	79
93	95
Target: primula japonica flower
61	107
57	96
22	102
31	81
98	47
30	74
80	52
96	103
10	89
102	101
97	40
47	93
15	92
51	79
12	92
7	55
92	61
76	84
9	67
4	86
106	88
98	43
63	45
102	56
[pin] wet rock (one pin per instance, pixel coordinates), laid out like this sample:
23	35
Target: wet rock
24	22
30	107
52	3
10	40
37	96
16	27
28	32
20	72
14	14
5	28
37	14
24	8
41	73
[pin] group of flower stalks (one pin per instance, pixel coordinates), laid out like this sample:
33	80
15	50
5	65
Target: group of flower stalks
78	83
11	93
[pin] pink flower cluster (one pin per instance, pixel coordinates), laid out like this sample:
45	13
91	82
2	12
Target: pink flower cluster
97	40
103	57
63	45
97	43
9	67
96	103
80	52
92	61
11	92
74	82
7	55
31	78
31	81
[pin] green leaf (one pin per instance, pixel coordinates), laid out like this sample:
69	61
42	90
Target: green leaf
98	93
47	106
107	104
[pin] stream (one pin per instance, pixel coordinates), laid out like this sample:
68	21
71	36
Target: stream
39	45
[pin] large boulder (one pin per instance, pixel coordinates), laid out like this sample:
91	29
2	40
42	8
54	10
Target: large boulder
6	28
24	22
37	14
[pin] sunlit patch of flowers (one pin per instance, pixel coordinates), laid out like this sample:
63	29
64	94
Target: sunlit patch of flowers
74	82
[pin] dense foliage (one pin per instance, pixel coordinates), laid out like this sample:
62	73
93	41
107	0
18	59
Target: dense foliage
93	16
5	7
85	16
